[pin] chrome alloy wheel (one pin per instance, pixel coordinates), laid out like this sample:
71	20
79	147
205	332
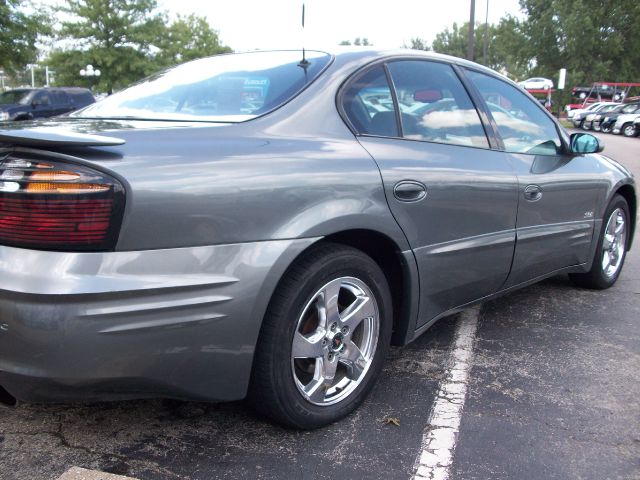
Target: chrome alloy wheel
614	242
335	341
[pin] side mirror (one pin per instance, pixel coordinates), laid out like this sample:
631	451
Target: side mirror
584	143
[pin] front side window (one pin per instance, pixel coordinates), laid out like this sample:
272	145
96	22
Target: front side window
223	88
434	105
20	97
522	124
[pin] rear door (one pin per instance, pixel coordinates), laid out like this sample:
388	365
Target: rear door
454	197
557	192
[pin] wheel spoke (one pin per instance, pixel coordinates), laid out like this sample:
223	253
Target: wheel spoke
307	347
619	225
354	361
325	372
606	261
608	241
361	308
328	312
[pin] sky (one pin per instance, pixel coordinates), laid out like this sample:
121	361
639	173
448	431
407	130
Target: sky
262	24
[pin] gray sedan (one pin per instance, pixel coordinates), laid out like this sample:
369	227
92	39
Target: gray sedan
266	224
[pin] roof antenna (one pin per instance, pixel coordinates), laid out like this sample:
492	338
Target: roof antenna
304	63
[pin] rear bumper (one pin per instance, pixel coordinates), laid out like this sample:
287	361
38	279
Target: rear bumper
179	323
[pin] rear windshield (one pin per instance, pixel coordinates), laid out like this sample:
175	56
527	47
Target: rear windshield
224	88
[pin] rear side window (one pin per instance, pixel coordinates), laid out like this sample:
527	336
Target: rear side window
435	106
369	105
522	124
59	98
80	98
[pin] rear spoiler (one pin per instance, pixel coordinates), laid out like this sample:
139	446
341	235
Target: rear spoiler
54	137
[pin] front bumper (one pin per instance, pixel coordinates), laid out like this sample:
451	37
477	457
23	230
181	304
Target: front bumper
179	323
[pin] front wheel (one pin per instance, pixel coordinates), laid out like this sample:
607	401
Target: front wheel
611	249
324	338
606	128
629	130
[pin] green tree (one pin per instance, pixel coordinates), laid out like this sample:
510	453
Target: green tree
506	45
115	36
188	38
417	43
595	40
19	32
359	42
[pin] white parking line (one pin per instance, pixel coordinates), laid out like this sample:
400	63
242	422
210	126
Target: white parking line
440	436
77	473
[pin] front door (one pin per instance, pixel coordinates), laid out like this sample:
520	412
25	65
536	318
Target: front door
557	192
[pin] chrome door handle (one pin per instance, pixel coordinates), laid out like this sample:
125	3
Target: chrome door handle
409	191
532	193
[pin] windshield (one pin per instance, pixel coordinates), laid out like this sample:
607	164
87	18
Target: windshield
14	96
224	88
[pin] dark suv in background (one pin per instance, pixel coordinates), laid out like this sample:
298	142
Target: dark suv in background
31	103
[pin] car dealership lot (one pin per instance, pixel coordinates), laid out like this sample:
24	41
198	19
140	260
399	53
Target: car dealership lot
552	392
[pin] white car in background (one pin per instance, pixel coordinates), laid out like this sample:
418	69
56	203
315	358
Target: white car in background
591	108
536	83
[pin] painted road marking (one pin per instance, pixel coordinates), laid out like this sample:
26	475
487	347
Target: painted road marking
77	473
440	436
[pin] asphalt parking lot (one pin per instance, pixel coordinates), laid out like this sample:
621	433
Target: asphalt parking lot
551	391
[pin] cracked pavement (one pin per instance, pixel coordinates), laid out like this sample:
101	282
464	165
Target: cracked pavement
553	393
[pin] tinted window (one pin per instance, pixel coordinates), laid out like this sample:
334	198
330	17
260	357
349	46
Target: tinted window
522	124
41	98
225	88
435	106
80	98
15	96
58	98
369	105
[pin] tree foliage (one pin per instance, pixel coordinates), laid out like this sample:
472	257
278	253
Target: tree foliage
127	40
114	36
188	38
505	50
19	32
359	42
595	40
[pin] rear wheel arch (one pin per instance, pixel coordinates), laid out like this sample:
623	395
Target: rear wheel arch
629	194
400	273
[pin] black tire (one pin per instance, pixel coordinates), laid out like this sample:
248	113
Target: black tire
606	128
629	130
597	278
273	390
585	126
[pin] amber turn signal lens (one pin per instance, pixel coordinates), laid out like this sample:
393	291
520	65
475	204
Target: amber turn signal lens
47	187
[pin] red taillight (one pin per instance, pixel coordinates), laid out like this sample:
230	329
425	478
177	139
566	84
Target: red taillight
59	206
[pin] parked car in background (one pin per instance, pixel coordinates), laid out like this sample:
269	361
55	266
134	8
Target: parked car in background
636	125
33	103
247	225
588	108
536	83
585	119
607	121
624	124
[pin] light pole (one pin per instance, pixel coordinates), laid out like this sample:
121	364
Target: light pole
472	20
89	71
